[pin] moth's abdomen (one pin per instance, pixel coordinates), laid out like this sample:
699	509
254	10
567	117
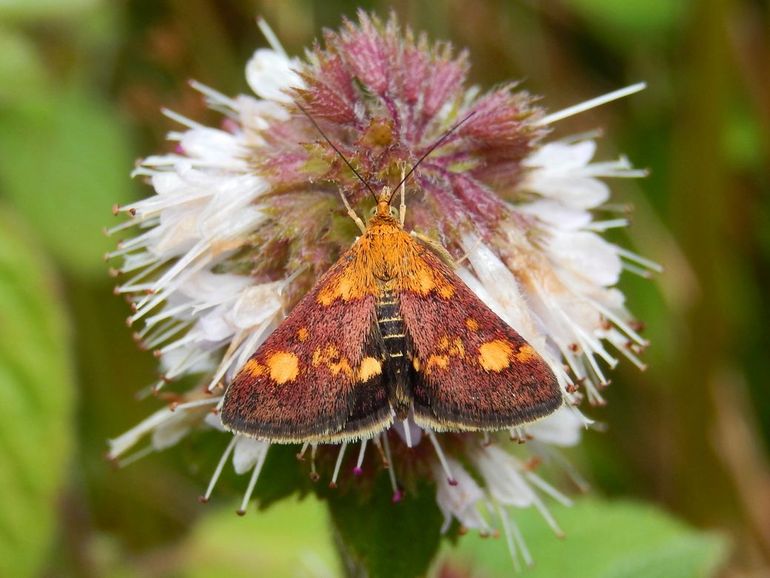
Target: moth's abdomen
391	327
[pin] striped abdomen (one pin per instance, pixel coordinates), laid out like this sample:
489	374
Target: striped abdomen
396	362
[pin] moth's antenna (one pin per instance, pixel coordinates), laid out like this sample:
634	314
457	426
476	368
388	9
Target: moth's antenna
331	144
433	147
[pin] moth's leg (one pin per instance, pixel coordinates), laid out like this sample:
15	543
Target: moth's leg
402	208
465	256
437	248
351	213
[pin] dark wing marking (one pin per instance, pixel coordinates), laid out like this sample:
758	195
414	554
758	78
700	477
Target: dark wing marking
318	377
470	370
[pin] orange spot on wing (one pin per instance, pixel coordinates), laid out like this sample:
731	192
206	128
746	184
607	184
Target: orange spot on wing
495	355
253	368
446	348
303	334
369	368
526	353
330	357
472	324
284	366
436	362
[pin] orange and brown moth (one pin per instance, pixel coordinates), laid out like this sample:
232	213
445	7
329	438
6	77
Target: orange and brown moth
388	332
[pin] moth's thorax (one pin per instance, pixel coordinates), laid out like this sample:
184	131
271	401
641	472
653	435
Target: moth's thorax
386	249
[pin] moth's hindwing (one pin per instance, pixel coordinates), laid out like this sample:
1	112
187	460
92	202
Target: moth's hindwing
320	375
469	369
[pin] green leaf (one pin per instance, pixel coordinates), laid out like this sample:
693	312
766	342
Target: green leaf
21	70
632	22
603	540
381	539
36	401
65	163
289	539
28	10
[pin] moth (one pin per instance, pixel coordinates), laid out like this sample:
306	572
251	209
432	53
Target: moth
388	332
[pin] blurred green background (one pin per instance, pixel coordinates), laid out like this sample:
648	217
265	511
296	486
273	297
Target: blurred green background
680	480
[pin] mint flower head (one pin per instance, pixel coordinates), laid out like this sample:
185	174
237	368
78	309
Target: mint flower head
247	216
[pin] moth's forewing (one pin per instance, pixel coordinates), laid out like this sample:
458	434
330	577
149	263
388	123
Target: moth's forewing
319	376
469	369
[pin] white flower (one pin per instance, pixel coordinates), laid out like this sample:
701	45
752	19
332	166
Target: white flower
461	500
243	219
269	73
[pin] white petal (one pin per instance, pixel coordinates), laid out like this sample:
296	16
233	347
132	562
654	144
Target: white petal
269	74
122	443
247	452
557	214
459	501
499	289
213	145
171	431
215	421
256	115
214	327
562	428
587	255
256	305
560	156
501	472
573	190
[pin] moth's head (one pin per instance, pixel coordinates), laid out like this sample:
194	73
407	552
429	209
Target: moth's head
383	208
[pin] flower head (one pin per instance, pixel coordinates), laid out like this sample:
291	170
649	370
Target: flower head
247	216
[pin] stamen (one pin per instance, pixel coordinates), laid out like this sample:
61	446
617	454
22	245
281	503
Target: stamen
643	273
189	361
624	348
509	540
270	36
162	336
120	289
548	488
619	322
154	263
547	516
124	225
253	481
340	455
154	320
592	103
407	433
517	535
397	493
519	435
313	473
631	256
179	343
227	360
136	456
218	471
357	470
378	444
301	454
214	96
566	465
601	226
197	403
146	392
441	458
183	120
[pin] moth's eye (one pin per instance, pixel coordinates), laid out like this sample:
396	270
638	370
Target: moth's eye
373	211
393	212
